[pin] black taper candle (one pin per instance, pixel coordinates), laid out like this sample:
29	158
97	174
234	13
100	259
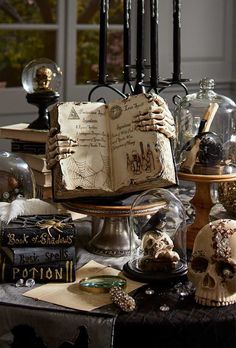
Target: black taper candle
176	40
139	88
102	73
127	40
154	59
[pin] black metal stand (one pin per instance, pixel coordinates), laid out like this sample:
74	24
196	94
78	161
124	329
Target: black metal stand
42	100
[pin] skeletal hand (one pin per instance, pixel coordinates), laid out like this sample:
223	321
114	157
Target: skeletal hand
160	120
58	146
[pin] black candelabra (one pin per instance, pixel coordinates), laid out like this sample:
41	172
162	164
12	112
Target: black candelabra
138	84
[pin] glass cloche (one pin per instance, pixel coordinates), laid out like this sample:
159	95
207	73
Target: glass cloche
41	79
41	75
206	128
157	237
16	178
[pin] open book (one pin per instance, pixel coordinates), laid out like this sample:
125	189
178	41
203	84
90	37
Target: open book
113	155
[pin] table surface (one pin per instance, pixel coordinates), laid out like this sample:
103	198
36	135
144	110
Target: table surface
185	324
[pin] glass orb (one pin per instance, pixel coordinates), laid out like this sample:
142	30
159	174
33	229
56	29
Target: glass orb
16	178
41	75
217	155
157	237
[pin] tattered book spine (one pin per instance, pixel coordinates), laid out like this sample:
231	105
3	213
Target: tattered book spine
38	255
63	272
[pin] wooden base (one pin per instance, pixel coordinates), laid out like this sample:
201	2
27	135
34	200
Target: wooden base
202	200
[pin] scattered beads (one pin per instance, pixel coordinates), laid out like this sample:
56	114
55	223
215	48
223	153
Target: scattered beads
30	283
149	291
20	283
164	308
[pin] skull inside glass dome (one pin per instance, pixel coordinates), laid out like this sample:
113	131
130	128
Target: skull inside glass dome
16	178
41	75
157	237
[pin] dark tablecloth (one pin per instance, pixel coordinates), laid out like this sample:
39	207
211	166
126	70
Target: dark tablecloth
186	324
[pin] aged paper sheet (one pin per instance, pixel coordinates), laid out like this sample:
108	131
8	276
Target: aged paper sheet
136	155
69	295
89	167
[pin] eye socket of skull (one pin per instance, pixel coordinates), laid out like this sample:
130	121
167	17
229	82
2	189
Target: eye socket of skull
225	270
168	242
199	264
149	243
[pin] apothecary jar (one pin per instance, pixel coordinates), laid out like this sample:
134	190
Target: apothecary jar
206	132
157	239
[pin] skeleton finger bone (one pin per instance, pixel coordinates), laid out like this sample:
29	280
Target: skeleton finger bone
57	138
152	122
156	116
55	154
159	100
52	131
169	132
149	116
60	151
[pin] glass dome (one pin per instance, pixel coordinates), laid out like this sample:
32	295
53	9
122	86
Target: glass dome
157	237
206	132
41	75
16	178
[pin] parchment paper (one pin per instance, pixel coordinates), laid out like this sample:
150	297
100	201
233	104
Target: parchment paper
69	295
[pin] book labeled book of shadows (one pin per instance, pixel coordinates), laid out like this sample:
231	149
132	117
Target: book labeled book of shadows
38	255
61	272
112	155
39	231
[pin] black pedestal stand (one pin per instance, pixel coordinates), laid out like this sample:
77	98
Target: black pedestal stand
42	100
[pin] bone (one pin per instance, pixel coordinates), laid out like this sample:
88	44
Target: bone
168	132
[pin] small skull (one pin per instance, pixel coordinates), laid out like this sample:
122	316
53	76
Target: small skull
212	267
158	252
155	243
43	78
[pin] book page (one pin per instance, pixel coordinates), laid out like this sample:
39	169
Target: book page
89	167
136	155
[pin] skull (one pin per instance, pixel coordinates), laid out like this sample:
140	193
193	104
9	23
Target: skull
158	252
43	78
155	243
212	267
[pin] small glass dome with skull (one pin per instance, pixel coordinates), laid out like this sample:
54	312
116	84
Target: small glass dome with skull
157	237
41	75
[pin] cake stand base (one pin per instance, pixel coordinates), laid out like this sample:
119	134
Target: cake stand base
110	226
202	200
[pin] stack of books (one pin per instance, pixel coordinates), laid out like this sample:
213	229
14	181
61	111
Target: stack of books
41	247
30	145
